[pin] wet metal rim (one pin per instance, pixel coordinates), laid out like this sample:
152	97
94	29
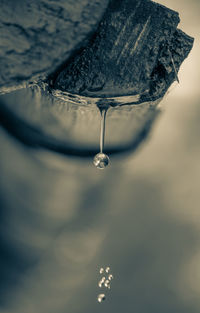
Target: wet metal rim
33	137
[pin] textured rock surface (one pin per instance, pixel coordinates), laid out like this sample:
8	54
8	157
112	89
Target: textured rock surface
37	35
131	53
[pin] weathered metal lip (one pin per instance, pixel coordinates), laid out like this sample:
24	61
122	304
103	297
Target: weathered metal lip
35	138
85	100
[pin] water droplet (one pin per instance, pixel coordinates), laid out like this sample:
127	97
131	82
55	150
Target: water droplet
110	277
101	160
101	270
107	269
101	297
103	279
107	283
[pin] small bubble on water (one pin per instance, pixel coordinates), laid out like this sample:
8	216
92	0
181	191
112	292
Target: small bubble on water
107	283
110	277
101	297
101	270
101	282
107	269
101	160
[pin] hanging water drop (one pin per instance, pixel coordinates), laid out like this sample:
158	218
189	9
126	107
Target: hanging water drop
107	269
101	270
101	297
101	160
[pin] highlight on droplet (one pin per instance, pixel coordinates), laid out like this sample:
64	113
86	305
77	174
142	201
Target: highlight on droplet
101	160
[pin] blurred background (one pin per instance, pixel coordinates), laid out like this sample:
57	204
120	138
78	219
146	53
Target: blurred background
62	219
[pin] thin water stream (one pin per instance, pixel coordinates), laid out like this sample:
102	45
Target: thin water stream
101	160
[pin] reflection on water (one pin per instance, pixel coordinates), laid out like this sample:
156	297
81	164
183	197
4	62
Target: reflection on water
101	160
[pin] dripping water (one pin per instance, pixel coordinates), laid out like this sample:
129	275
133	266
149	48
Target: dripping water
101	160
